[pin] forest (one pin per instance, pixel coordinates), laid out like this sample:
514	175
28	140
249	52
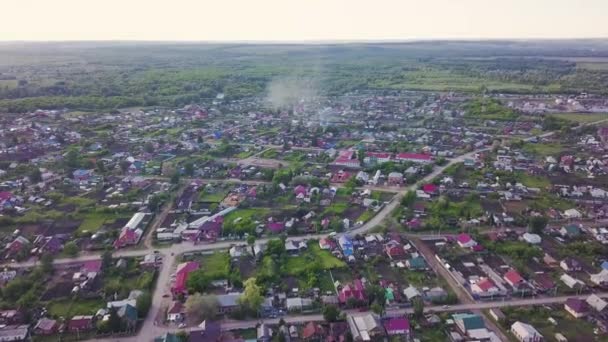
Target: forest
105	76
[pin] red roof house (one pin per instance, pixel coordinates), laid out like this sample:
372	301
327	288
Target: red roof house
356	291
513	278
430	189
397	326
181	277
80	323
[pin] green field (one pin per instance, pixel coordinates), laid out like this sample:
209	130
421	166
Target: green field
245	214
297	265
216	196
366	216
93	221
544	149
69	308
581	117
534	181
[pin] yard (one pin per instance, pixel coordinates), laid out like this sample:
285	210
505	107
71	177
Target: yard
544	149
213	196
247	214
581	117
573	329
93	221
70	307
296	265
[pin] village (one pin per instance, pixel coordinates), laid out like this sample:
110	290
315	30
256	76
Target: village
401	216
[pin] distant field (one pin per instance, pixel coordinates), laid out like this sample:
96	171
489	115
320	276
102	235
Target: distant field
593	66
10	84
581	117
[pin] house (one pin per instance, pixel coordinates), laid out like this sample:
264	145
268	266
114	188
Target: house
46	326
346	244
362	176
181	277
571	282
298	304
313	331
570	231
600	279
596	302
337	332
365	327
572	214
416	263
465	241
414	157
395	178
394	250
16	246
467	322
80	323
513	278
228	302
176	312
15	333
81	175
411	292
208	332
533	239
398	326
570	265
276	227
128	314
430	189
348	159
355	291
484	287
168	337
525	332
327	244
577	307
264	333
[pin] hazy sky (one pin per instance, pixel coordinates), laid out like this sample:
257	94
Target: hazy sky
300	19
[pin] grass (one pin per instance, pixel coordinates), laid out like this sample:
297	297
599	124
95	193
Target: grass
581	117
216	263
249	213
573	329
534	181
270	154
336	208
244	154
93	221
297	265
70	308
366	216
543	149
216	196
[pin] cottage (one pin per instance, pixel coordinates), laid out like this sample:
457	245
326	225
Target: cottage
465	241
577	307
596	302
313	332
365	327
46	326
181	277
80	323
175	312
398	326
525	333
600	279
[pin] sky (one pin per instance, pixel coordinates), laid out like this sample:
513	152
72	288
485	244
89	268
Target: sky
301	20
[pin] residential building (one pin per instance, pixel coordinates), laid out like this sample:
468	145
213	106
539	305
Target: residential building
525	332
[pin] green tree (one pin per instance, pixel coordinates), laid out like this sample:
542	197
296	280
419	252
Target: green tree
149	147
101	167
331	313
106	259
71	249
189	169
35	175
72	159
114	321
252	295
538	224
201	307
46	263
418	305
408	199
175	178
144	301
154	202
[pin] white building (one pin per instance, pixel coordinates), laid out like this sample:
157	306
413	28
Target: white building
525	332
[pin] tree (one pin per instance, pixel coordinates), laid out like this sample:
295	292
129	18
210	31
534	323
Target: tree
377	308
251	242
538	224
408	199
114	321
46	263
418	307
252	295
101	167
72	159
189	169
124	166
175	178
144	301
202	307
35	176
149	147
154	203
106	259
331	313
71	249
